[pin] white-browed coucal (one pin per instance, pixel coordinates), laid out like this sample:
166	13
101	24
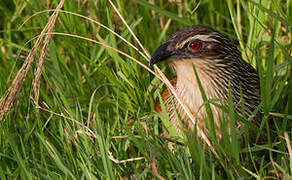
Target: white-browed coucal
221	69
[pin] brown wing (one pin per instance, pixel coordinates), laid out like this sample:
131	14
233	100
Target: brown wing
165	94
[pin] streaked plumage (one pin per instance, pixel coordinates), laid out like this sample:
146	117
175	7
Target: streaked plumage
220	67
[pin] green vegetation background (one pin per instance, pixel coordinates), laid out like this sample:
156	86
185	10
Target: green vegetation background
97	106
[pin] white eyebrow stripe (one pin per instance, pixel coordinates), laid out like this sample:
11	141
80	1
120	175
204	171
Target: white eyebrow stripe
200	37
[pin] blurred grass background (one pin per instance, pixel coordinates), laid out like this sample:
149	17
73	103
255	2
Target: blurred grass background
97	106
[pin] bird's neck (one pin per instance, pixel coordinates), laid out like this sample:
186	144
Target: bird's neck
186	78
187	83
188	89
184	71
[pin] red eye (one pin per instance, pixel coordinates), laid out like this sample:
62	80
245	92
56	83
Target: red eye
195	45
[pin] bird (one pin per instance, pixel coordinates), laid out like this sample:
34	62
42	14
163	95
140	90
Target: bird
221	70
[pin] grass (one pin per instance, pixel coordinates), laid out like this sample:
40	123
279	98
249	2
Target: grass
95	115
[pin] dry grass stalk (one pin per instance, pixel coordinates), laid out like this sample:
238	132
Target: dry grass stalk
111	157
288	145
93	21
38	69
7	100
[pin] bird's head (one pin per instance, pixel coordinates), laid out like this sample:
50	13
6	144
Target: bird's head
195	43
217	60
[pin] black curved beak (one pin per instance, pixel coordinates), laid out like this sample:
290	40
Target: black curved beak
161	53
